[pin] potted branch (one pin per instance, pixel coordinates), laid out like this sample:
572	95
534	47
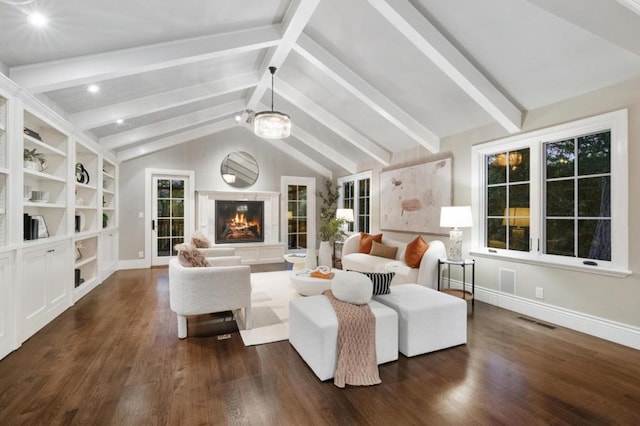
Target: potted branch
105	220
34	160
330	227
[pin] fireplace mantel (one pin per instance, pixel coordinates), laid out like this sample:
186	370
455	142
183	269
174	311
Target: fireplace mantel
272	250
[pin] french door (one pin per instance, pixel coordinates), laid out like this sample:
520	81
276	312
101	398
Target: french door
298	213
170	215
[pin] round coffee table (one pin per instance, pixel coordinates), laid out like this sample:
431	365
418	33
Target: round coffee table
296	259
309	286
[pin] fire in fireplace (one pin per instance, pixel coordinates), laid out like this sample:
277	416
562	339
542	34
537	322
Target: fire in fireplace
239	221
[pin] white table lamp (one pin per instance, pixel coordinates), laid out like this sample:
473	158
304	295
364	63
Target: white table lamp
455	218
347	216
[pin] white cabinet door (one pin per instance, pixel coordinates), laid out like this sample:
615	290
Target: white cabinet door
7	306
108	254
45	290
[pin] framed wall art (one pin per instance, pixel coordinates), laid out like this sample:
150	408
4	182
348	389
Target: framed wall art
411	197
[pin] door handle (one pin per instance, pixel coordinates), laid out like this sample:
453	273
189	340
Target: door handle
153	224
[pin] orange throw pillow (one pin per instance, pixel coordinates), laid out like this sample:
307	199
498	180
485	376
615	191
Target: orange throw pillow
366	240
415	250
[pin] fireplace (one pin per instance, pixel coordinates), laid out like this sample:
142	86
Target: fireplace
239	221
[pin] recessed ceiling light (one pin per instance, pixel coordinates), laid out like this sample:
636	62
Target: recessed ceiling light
37	19
119	121
93	88
238	118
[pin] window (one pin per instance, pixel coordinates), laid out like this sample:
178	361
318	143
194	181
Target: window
557	196
355	193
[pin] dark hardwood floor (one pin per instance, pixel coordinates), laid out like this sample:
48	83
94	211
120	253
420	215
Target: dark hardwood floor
114	358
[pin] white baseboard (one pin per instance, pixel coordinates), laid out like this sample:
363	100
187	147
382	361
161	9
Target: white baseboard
132	264
612	331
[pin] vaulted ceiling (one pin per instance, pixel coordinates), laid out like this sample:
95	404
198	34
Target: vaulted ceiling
361	79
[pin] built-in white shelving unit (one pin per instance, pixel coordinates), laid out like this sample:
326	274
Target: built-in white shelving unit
109	185
37	279
4	171
44	180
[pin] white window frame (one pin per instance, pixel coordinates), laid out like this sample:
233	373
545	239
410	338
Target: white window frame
356	210
617	123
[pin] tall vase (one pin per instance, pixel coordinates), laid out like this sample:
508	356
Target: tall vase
311	259
324	254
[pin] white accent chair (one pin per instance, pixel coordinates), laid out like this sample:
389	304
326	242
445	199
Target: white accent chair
203	290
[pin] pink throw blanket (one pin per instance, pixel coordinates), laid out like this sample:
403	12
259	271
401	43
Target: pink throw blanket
356	358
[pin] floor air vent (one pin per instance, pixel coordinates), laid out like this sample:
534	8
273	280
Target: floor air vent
541	324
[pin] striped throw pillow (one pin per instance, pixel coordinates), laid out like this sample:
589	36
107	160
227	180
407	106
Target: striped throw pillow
381	281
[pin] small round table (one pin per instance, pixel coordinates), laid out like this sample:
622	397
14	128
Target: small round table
296	259
309	286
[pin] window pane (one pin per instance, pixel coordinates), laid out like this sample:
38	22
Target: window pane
177	188
519	196
164	227
496	200
518	165
560	159
496	168
594	239
519	238
302	209
594	154
164	246
163	208
177	208
302	193
177	228
560	198
163	188
496	234
302	240
293	193
560	237
594	197
302	226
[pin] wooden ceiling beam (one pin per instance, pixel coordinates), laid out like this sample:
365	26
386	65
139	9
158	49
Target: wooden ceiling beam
60	74
129	137
358	87
333	123
177	139
96	117
435	46
294	22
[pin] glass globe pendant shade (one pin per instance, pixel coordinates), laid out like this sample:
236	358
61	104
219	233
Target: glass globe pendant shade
272	125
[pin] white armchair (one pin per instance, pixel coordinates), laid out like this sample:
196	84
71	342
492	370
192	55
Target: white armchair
203	290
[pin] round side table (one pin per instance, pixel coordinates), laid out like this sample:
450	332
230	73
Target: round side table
309	286
296	259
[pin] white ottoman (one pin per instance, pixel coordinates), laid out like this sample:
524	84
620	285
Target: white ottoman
313	332
428	320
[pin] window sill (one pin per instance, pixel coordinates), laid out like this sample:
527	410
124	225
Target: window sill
598	270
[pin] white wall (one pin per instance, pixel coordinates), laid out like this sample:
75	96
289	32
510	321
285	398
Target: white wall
203	156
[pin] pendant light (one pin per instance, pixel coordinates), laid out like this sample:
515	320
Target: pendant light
272	124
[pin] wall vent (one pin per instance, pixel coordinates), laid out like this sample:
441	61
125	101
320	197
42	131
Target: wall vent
536	322
507	281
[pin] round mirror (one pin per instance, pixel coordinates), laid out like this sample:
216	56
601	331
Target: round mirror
239	169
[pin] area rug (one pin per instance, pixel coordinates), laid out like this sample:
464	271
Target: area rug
270	295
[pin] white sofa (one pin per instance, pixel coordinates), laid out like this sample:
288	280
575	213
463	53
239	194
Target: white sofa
426	275
203	290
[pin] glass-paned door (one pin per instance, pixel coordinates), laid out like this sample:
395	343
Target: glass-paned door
297	217
169	216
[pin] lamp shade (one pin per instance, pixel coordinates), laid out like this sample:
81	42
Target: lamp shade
272	125
345	214
456	217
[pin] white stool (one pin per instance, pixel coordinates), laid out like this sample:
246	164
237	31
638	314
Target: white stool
313	332
428	320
